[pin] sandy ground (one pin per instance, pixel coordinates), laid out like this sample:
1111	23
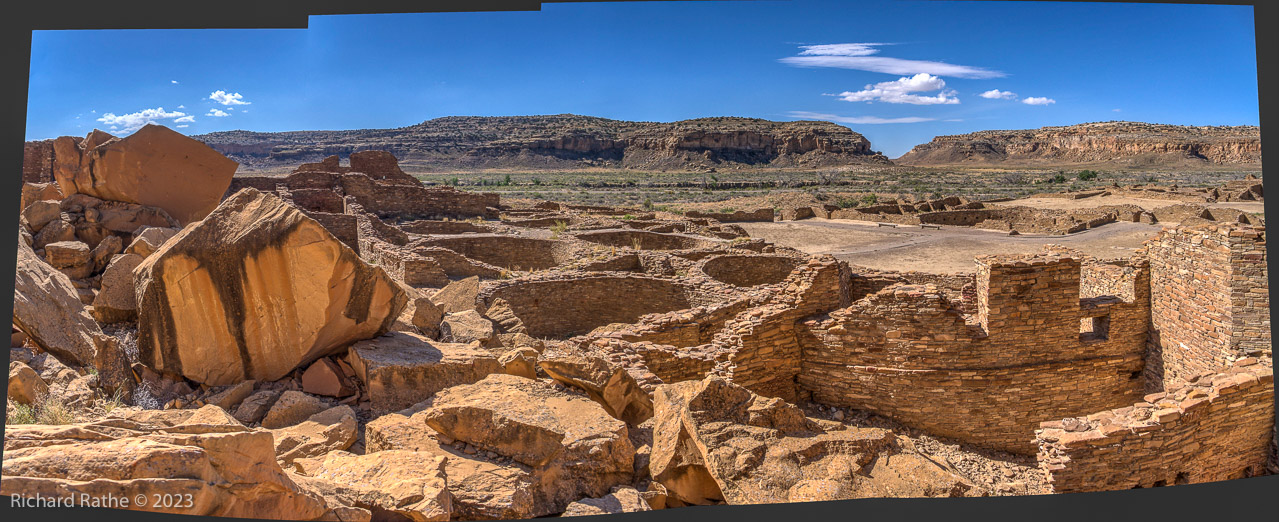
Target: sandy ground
945	250
1097	201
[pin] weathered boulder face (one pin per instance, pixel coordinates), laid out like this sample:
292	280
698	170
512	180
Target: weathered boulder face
401	369
116	301
611	386
623	500
716	441
25	385
482	488
404	483
254	291
47	308
330	430
154	166
574	447
228	470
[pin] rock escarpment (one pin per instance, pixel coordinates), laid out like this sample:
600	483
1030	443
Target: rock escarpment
564	141
1130	144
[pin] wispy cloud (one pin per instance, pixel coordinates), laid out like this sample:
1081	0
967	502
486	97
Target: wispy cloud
135	120
183	126
1032	100
227	98
185	119
182	106
860	56
899	91
856	119
1116	110
996	94
175	82
217	113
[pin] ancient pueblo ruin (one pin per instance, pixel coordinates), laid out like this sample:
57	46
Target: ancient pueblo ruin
347	343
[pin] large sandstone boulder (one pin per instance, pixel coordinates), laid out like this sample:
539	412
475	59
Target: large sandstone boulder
466	327
622	500
458	296
154	166
715	441
331	430
404	483
149	239
611	386
254	291
325	377
33	192
482	488
292	408
401	369
116	301
25	385
227	470
47	308
574	447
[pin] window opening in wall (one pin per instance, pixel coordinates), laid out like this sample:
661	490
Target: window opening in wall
1094	328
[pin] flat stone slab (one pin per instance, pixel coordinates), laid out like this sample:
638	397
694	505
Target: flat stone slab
401	369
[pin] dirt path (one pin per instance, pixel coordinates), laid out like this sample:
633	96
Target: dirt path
945	250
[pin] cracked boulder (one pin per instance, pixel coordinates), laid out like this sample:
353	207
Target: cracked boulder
254	291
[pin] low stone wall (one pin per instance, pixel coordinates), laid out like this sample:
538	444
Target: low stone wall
645	240
1217	427
763	214
745	271
417	202
505	251
564	305
427	227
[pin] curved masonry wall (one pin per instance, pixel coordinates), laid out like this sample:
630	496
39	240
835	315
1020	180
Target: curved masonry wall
629	238
561	308
506	251
745	271
1217	427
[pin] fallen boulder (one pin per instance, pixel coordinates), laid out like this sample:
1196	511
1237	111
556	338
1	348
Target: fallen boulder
622	500
217	468
25	385
458	296
292	408
154	166
609	385
401	369
574	447
466	327
404	483
325	377
47	308
333	429
254	291
116	301
715	441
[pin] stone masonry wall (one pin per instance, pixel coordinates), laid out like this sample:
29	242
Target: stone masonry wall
1209	300
908	352
1218	426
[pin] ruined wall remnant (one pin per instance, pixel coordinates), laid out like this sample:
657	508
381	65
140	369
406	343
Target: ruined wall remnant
1032	349
561	306
745	270
1216	427
1209	300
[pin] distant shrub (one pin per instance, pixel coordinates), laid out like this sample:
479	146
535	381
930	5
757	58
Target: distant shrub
870	199
559	227
1086	175
648	204
1059	178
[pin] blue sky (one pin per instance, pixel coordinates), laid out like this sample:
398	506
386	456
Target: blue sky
899	72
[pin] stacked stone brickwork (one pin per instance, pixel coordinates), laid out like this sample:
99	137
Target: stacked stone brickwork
37	162
1209	300
909	353
763	214
1218	426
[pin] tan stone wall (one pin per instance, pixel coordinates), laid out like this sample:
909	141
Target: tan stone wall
745	270
645	240
1209	300
763	214
1218	427
37	162
908	352
505	251
568	304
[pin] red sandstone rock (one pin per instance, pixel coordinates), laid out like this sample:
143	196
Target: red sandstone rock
324	377
154	166
401	369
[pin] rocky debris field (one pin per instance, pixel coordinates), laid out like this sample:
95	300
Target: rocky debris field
344	343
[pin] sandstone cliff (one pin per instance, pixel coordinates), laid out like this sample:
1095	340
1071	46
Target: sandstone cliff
1125	144
565	141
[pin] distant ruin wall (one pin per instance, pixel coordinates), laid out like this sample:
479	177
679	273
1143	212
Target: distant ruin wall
908	352
1209	300
1218	427
394	201
561	306
763	214
37	162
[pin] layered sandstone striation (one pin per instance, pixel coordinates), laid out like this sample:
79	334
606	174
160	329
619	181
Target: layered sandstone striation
566	140
1123	143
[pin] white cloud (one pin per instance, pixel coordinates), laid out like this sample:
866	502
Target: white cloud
226	98
183	126
858	56
185	119
175	82
898	91
1116	110
996	94
217	113
182	106
1031	100
856	119
134	121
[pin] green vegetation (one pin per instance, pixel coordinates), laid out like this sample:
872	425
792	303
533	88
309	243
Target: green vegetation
1087	175
558	228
